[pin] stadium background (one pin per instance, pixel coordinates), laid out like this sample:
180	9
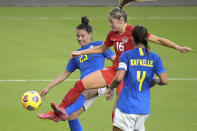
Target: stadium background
93	3
35	45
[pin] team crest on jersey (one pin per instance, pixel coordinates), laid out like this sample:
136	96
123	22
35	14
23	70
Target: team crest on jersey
91	46
125	39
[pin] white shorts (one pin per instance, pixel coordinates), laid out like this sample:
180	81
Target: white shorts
129	122
88	102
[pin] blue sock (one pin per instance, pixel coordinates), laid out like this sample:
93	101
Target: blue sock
76	105
75	125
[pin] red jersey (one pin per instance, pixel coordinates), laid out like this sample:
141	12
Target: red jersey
121	42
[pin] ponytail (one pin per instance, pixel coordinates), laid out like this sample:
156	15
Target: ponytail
145	43
140	35
122	3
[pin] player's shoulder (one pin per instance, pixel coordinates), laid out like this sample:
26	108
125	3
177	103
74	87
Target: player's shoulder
153	54
130	27
96	43
129	53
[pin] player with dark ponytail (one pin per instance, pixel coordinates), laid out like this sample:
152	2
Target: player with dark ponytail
140	35
136	68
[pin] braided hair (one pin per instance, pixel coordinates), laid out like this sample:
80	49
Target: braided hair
140	35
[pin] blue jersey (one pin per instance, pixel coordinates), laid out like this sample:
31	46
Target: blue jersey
90	62
140	69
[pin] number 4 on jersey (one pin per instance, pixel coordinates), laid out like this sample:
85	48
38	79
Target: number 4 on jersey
140	80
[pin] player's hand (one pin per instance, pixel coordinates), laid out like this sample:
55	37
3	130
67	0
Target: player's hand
75	54
44	92
109	94
185	49
154	82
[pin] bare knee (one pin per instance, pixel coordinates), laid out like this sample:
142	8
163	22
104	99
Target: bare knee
73	116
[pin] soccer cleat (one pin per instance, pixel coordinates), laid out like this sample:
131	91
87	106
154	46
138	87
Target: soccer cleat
50	115
60	112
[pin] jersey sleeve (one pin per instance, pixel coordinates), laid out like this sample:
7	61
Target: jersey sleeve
123	62
108	54
72	65
108	42
159	66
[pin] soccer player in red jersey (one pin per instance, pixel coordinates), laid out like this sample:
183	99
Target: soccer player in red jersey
120	38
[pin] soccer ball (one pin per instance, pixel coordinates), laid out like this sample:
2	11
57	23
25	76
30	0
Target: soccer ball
31	100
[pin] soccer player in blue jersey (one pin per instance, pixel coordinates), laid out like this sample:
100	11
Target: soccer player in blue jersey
86	64
136	68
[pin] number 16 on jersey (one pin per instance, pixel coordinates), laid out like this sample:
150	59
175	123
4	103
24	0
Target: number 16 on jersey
120	46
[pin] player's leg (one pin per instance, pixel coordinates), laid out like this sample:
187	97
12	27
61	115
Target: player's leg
75	125
73	107
118	90
123	121
90	94
63	113
73	121
94	80
90	98
82	100
114	107
139	126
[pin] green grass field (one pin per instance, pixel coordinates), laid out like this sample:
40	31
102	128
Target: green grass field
36	42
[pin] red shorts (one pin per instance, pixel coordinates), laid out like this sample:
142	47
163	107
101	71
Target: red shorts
109	74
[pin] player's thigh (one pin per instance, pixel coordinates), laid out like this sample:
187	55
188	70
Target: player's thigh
141	119
94	80
76	114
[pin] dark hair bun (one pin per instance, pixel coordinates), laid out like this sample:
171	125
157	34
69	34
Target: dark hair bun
84	20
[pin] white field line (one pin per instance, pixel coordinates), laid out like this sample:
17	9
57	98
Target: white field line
73	18
34	80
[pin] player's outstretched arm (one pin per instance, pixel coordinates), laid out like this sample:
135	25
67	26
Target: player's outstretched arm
64	75
98	49
168	43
